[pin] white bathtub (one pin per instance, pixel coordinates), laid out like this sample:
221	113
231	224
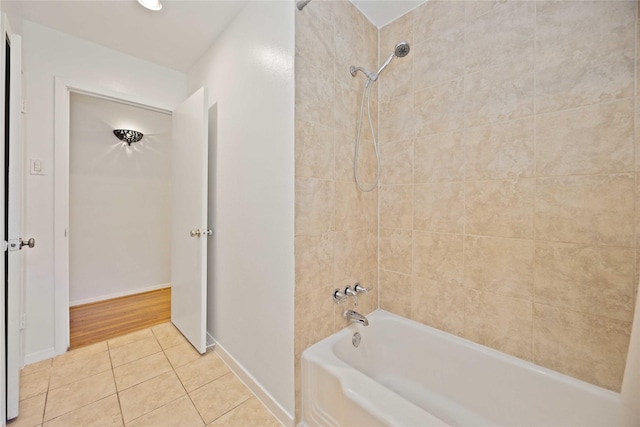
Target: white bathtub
407	374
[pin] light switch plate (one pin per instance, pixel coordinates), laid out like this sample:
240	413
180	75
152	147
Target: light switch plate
36	167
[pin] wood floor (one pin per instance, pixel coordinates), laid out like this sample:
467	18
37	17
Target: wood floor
103	320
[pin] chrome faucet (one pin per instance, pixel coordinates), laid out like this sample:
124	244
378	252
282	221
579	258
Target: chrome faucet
355	317
348	291
339	295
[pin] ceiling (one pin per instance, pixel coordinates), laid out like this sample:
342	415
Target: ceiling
174	37
382	12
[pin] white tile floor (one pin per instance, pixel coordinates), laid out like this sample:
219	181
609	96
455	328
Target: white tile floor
148	378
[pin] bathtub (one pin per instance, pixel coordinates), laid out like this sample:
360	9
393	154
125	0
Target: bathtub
404	373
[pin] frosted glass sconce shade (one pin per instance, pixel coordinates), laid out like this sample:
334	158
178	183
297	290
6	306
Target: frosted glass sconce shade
128	135
151	4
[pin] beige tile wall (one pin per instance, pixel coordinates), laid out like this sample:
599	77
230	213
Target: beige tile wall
509	191
336	241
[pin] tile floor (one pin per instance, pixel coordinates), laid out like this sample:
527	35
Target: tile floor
148	378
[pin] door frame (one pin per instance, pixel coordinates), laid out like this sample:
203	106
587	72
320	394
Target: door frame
62	115
3	341
14	222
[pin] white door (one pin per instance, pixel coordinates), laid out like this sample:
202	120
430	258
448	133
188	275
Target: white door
189	230
3	334
14	225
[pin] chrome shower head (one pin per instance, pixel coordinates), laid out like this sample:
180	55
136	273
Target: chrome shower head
402	49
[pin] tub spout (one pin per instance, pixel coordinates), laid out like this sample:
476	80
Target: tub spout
355	317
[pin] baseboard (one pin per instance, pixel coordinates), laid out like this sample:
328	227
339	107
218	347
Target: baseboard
210	341
39	356
119	294
278	411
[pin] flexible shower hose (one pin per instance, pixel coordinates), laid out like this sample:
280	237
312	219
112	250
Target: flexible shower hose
366	94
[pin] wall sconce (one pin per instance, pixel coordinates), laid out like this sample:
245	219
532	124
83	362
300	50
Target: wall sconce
128	136
151	4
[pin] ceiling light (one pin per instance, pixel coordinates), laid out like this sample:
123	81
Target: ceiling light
128	135
151	4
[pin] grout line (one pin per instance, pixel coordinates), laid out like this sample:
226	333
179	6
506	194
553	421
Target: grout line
523	117
81	407
44	407
379	190
414	137
237	406
535	172
195	407
598	174
46	398
212	381
584	313
577	107
465	78
635	159
115	384
155	409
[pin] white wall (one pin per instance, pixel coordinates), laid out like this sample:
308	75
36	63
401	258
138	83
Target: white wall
48	53
119	201
250	76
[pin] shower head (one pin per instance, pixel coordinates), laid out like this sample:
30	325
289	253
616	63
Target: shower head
401	50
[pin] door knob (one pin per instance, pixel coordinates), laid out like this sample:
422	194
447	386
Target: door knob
31	243
201	233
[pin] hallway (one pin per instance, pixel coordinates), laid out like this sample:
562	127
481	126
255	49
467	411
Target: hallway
152	377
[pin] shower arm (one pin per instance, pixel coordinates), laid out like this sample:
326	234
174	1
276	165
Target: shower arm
371	76
354	70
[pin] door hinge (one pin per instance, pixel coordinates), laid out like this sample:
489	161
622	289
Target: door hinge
5	245
23	321
23	109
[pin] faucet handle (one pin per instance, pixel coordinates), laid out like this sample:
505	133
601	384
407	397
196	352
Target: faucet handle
349	291
361	289
338	296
